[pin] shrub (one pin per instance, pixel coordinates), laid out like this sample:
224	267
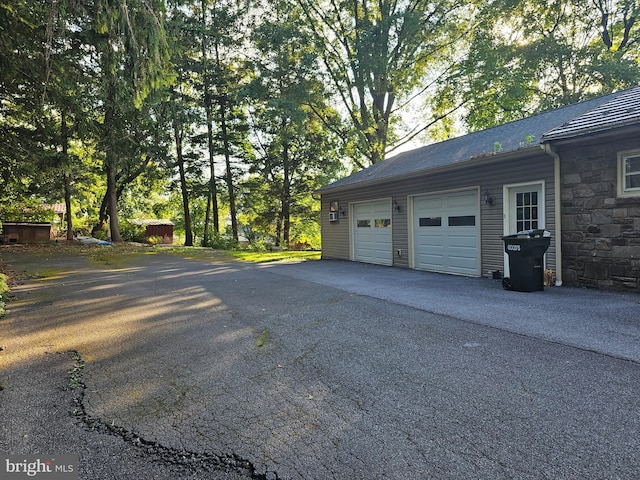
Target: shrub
132	233
4	288
222	242
155	239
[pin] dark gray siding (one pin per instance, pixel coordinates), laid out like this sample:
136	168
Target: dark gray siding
491	176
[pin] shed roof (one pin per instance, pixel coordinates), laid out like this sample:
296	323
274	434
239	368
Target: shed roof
148	222
58	208
478	146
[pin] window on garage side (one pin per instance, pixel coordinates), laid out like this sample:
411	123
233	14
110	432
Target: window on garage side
629	173
430	221
462	221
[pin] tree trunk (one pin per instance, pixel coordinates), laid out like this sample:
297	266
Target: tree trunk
67	174
188	241
67	202
229	173
286	196
278	229
213	193
111	156
207	221
112	200
213	189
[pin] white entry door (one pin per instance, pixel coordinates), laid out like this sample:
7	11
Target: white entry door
526	207
524	211
446	234
372	240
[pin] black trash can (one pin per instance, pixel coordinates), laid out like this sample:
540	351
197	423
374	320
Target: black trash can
526	260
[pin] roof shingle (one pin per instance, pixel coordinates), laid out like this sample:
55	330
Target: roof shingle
621	111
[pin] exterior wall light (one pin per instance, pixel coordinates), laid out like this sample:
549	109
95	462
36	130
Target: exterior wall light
488	199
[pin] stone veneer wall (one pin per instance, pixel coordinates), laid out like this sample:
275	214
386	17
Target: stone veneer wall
600	231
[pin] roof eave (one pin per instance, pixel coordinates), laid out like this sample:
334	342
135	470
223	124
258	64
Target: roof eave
488	158
613	129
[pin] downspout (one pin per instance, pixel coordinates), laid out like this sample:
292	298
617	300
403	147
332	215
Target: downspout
557	208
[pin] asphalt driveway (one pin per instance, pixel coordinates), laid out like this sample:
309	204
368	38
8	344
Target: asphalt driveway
315	370
604	322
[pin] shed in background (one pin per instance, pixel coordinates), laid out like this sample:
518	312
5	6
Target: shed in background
157	228
26	232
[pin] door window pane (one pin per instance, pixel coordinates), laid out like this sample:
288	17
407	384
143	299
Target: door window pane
364	223
382	222
527	211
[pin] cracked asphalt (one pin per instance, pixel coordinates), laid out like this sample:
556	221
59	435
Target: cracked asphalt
176	368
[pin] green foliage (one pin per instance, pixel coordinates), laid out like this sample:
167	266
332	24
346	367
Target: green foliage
102	234
530	56
3	284
132	233
221	241
262	339
4	289
377	54
25	212
155	240
290	112
271	256
90	91
75	374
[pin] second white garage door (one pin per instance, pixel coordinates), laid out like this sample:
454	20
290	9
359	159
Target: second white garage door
446	232
372	241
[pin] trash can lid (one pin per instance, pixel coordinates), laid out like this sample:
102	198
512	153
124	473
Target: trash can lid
537	232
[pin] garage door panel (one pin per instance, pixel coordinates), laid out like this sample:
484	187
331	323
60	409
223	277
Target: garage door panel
432	203
460	266
432	262
461	262
464	200
446	233
372	232
431	238
463	240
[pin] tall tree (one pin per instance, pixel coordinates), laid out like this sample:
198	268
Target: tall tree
133	60
227	33
182	103
69	92
287	97
23	126
206	78
44	100
528	56
377	52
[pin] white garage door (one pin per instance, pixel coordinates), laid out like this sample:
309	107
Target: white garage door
446	233
372	232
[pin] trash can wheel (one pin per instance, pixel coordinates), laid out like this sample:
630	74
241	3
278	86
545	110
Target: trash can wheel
506	283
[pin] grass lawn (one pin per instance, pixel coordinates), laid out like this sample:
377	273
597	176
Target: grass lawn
121	255
258	257
203	253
